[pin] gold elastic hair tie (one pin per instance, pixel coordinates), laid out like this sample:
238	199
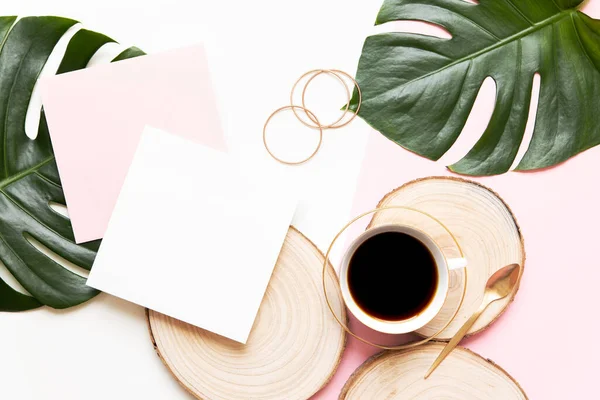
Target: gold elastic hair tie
315	73
336	73
309	113
311	116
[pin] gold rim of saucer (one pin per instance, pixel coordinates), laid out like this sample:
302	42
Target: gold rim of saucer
337	284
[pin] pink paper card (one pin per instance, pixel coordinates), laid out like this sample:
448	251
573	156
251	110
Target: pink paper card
96	118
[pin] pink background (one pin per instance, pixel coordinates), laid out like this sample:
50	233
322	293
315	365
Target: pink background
541	340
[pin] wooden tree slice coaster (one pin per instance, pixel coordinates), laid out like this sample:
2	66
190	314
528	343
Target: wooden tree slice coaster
294	348
486	231
464	375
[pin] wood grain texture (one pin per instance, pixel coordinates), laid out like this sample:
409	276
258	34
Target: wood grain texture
484	226
294	348
464	375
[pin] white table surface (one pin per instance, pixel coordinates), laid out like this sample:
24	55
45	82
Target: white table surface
101	350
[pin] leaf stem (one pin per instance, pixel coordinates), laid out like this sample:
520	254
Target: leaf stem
24	173
516	36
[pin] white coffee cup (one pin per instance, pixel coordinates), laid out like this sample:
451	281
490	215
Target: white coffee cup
412	324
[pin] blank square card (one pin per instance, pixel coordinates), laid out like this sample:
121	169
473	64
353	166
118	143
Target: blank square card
192	237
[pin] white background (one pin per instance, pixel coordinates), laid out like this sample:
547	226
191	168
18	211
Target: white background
257	49
101	350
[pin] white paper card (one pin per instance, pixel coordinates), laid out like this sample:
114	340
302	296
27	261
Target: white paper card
192	236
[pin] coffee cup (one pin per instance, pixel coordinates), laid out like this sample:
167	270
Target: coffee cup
395	278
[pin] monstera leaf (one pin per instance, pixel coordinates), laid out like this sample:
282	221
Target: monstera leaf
419	90
33	237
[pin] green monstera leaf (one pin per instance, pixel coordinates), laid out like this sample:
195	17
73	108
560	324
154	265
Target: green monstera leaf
33	237
418	90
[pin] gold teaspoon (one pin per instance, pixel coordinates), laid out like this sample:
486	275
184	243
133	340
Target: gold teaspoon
501	284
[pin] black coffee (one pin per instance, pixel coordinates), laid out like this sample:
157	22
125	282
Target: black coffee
392	276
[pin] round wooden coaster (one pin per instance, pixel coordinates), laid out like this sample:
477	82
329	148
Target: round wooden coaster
464	375
486	231
294	348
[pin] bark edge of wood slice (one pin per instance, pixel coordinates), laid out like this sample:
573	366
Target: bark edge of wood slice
464	375
486	230
294	348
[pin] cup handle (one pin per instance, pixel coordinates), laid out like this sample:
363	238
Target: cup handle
457	263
